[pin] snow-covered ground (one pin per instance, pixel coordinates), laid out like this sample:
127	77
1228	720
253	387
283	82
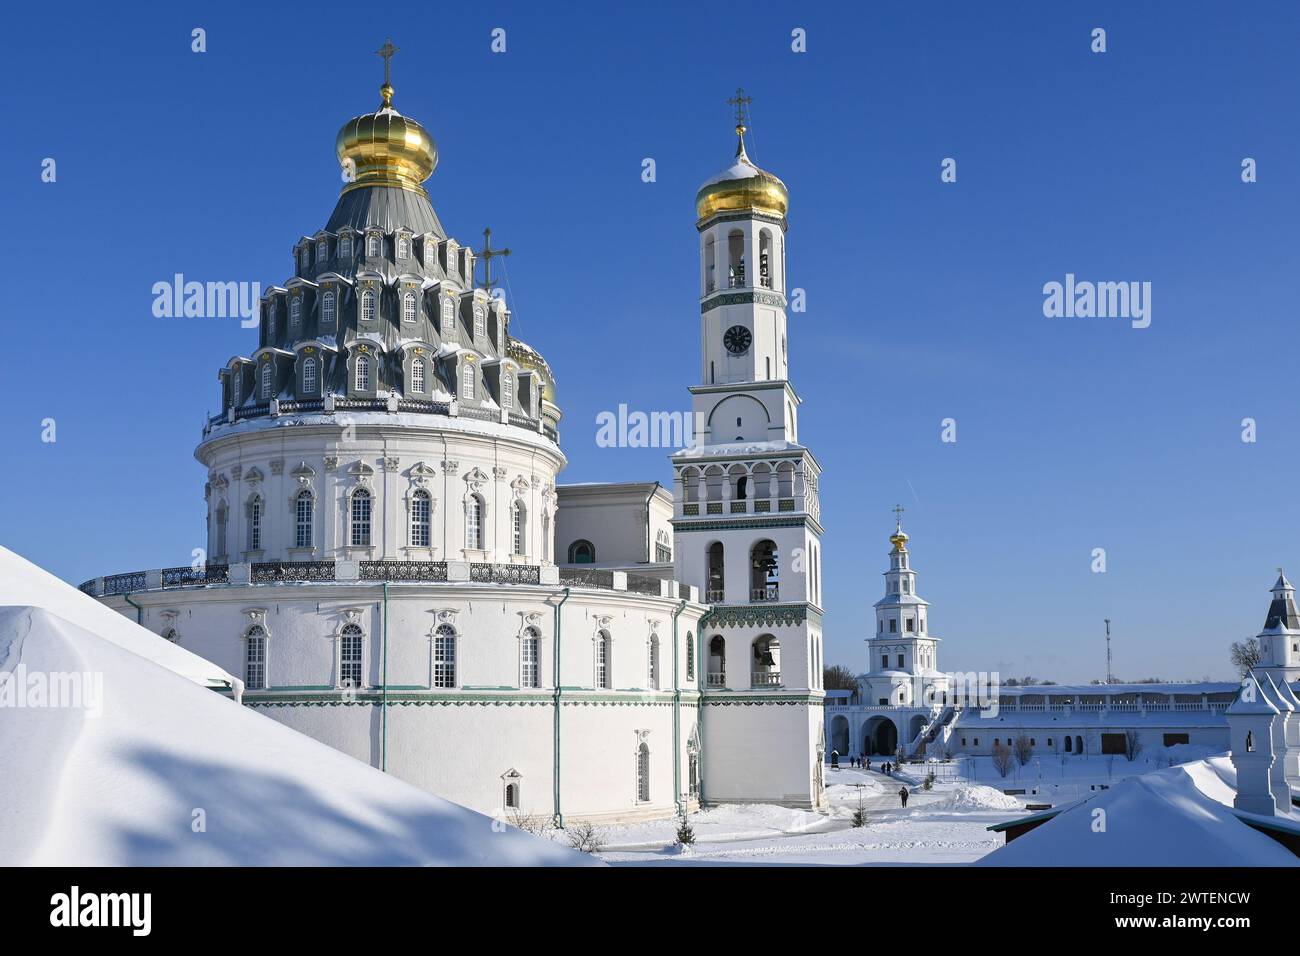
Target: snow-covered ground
945	825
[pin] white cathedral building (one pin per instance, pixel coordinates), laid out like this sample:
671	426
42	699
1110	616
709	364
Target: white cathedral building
393	569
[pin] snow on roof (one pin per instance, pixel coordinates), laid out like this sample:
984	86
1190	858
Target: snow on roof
23	583
1172	817
128	785
1093	690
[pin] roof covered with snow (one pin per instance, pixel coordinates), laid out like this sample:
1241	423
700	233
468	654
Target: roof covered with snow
147	768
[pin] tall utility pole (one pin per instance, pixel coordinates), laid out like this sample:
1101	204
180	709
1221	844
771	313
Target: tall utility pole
1110	678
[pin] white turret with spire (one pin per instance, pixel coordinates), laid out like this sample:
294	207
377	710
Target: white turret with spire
1279	641
904	656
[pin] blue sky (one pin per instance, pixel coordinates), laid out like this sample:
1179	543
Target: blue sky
924	298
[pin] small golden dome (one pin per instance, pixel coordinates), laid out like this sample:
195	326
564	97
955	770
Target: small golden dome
742	186
899	540
385	148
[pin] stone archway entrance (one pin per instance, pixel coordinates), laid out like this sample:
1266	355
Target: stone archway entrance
880	737
840	733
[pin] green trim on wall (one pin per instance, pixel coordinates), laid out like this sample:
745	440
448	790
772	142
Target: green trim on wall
761	615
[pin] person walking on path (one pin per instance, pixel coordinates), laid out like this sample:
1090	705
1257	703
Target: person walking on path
902	795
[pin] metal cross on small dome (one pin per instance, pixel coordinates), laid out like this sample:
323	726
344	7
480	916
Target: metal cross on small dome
387	51
898	514
741	102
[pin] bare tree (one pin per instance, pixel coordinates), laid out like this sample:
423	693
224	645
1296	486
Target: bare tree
1002	759
1132	745
1245	655
585	838
838	677
536	824
1024	748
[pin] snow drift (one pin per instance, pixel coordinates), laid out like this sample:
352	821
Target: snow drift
1156	819
171	773
976	797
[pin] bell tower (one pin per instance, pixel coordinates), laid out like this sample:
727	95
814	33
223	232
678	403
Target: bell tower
747	507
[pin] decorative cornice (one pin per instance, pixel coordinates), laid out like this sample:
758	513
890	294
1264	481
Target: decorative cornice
681	525
760	615
754	297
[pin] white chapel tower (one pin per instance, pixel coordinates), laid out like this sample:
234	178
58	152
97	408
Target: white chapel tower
747	511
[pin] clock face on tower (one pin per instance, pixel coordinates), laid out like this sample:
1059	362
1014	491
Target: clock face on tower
737	339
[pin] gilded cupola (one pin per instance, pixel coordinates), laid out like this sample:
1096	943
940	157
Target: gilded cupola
385	148
742	187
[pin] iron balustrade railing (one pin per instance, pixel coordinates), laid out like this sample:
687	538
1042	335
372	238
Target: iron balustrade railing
765	679
716	679
768	592
124	583
587	577
483	573
209	574
267	572
715	595
404	571
642	584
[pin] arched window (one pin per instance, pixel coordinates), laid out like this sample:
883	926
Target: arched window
643	773
255	658
467	380
408	307
529	658
327	308
716	591
448	317
221	529
478	321
421	506
309	376
417	376
603	660
518	527
350	643
368	306
444	656
652	662
372	244
295	312
272	316
403	247
512	796
322	251
507	390
255	524
360	518
363	373
690	656
345	247
717	672
764	570
474	523
303	507
582	552
268	372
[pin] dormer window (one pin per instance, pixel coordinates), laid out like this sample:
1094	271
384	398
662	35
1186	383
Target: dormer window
448	317
478	321
304	257
267	376
363	373
295	312
507	389
430	253
309	376
408	307
345	247
467	381
417	376
271	309
368	306
372	244
322	251
403	247
327	308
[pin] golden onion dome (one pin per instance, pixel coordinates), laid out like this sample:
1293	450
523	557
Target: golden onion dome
385	148
529	358
899	540
742	186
